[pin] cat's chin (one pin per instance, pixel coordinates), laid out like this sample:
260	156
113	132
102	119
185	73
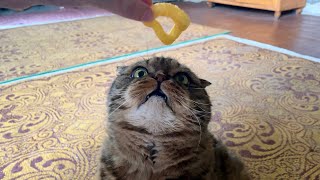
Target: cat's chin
154	102
154	115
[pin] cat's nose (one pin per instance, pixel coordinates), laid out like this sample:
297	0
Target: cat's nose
160	77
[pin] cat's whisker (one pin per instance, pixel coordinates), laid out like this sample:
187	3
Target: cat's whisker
116	108
197	105
118	93
196	88
200	128
190	110
202	110
202	115
197	111
120	100
194	101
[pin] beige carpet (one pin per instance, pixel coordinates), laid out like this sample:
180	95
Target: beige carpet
265	109
37	49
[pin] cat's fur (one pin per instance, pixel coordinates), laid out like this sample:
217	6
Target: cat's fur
162	139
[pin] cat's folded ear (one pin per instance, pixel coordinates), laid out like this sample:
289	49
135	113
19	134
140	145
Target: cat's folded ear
121	69
204	83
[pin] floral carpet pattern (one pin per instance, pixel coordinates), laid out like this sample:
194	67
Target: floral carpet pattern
265	109
35	49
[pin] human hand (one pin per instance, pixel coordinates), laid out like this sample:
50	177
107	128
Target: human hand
139	10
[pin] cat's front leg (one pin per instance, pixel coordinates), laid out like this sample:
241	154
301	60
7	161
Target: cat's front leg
152	152
104	171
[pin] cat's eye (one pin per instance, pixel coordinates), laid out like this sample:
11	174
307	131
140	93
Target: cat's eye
182	78
139	72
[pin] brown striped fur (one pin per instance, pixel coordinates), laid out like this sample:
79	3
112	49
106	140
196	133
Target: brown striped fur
158	139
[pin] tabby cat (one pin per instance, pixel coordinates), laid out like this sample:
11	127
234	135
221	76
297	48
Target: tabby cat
159	112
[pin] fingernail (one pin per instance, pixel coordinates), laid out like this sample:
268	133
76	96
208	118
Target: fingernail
147	16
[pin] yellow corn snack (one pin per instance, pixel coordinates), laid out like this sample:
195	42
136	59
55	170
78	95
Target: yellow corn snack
180	18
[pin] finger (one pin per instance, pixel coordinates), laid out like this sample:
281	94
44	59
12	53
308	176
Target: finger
137	10
149	2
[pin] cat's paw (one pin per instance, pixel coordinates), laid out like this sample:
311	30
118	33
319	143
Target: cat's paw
151	147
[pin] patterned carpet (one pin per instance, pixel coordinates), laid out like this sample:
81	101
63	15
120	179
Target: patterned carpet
265	109
36	49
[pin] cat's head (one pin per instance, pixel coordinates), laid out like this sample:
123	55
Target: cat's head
159	95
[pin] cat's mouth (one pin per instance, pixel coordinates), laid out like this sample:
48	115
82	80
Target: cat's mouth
159	93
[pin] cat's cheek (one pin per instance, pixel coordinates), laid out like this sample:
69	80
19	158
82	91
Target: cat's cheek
131	99
176	97
121	82
136	93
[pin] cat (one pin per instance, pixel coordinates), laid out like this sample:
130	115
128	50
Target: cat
158	120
